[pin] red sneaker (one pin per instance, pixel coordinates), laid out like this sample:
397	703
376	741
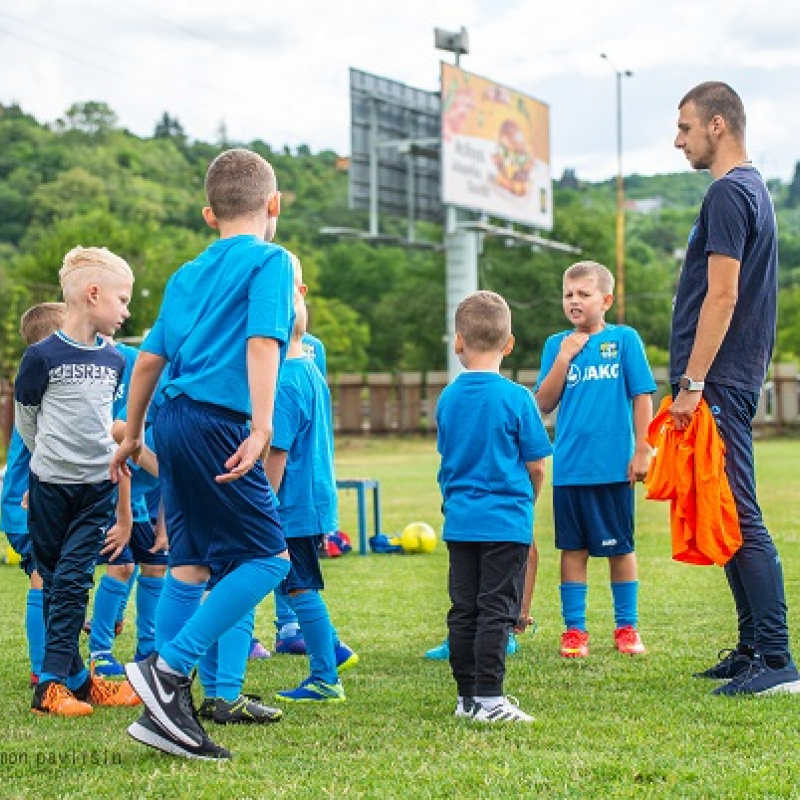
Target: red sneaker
628	641
574	643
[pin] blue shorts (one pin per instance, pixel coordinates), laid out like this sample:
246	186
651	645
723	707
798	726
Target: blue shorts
304	573
210	522
137	551
21	542
594	518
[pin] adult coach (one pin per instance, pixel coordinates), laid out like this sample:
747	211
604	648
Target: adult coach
723	332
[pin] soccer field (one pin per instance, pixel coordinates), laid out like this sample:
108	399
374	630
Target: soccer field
610	726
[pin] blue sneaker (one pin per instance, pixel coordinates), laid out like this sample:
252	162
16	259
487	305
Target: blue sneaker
345	656
439	653
758	678
314	691
105	665
291	645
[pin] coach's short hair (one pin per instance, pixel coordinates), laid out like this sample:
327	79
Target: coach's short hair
484	321
583	269
42	320
238	184
714	98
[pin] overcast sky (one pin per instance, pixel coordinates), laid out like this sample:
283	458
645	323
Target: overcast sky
278	71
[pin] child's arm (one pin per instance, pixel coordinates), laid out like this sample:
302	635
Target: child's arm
147	458
275	466
161	541
642	415
263	359
119	534
548	395
29	388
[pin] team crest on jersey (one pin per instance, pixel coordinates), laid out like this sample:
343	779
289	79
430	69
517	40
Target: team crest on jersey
609	350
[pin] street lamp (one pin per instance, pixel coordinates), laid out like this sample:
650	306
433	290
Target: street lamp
620	280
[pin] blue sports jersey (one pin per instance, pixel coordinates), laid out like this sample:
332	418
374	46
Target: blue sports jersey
239	287
316	350
302	427
736	220
129	354
488	428
594	438
13	517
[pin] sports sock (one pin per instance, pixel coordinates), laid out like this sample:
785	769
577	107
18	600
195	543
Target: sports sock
238	592
284	615
234	647
207	670
76	681
148	592
626	603
129	589
177	603
107	600
315	625
573	605
34	629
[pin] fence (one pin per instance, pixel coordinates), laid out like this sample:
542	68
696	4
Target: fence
404	403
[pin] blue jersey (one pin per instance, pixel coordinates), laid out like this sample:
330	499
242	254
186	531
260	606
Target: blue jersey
129	354
303	424
13	517
316	350
488	428
736	220
594	428
239	287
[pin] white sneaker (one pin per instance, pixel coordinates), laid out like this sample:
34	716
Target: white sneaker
464	707
507	710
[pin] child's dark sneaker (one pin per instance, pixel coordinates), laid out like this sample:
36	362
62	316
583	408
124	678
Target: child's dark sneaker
147	731
244	710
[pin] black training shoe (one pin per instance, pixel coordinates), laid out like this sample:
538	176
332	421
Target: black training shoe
168	698
147	731
244	710
731	663
759	678
206	709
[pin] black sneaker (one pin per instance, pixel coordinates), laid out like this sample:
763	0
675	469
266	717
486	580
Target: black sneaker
244	710
206	709
759	678
147	731
731	663
168	698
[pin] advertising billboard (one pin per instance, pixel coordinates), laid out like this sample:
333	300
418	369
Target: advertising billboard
495	150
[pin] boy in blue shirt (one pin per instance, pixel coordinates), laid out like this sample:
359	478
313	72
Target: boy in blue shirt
300	469
598	376
492	445
224	323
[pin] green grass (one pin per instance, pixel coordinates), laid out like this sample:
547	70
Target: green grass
608	727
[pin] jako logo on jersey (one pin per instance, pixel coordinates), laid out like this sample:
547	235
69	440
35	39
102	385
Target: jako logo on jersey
591	373
608	350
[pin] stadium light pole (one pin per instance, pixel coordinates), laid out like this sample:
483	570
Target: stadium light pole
620	277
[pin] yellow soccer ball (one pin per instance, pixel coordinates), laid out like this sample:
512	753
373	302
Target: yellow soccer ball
418	537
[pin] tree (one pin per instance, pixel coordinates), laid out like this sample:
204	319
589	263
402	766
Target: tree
793	198
170	128
92	118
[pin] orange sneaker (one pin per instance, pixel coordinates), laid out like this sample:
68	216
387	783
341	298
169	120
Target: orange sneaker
52	697
574	643
102	692
628	641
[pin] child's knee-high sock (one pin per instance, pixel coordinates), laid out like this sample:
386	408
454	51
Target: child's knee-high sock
148	592
315	623
573	605
107	600
177	603
284	615
626	602
34	629
238	592
124	603
207	670
234	647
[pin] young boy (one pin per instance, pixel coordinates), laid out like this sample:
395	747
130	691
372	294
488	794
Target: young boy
598	376
300	470
37	323
64	392
225	319
492	445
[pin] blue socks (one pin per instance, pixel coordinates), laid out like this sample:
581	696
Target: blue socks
177	603
124	604
34	629
626	603
239	592
222	669
284	613
573	605
108	598
315	624
148	592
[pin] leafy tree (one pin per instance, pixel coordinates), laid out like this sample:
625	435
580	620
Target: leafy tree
92	118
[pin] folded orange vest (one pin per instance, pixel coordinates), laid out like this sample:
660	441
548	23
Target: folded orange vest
688	469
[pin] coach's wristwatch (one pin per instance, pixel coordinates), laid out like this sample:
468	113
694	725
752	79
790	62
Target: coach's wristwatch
688	385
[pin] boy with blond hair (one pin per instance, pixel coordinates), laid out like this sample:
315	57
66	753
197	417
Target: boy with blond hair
598	376
224	324
64	393
492	445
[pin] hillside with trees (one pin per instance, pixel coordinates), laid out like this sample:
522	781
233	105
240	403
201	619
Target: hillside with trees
84	180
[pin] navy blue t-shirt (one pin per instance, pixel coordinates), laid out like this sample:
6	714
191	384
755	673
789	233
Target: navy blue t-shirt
736	220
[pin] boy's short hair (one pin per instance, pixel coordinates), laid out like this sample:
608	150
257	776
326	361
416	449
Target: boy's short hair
239	183
41	320
714	98
484	321
83	265
583	269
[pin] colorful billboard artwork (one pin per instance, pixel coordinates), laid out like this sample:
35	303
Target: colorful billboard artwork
495	150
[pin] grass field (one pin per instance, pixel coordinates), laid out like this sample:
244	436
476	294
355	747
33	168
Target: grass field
605	728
